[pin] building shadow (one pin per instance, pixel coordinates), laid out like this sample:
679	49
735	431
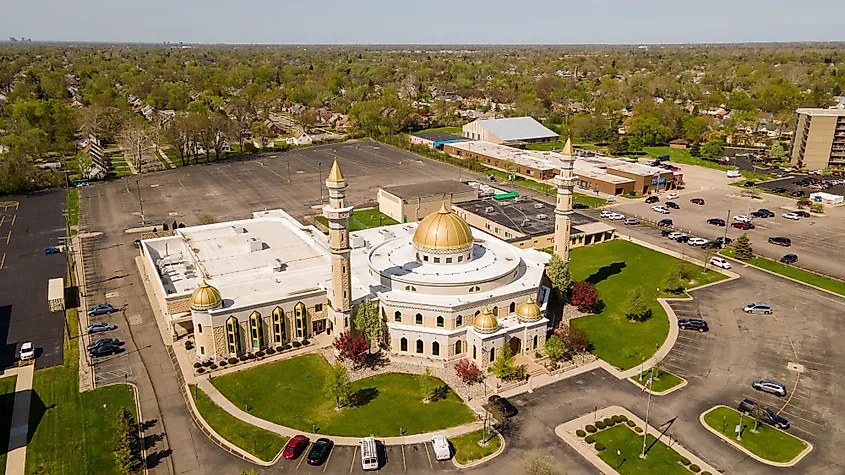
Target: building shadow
9	439
7	351
606	272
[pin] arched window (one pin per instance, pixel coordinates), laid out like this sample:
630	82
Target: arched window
301	318
403	344
397	316
278	325
474	352
459	320
435	349
233	339
199	327
419	346
418	319
492	354
535	342
513	307
458	347
496	311
439	320
256	329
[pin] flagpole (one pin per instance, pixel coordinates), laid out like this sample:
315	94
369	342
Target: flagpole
647	408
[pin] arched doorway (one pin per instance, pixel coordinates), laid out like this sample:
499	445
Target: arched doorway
516	345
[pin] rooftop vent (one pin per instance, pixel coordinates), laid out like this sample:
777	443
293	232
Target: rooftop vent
276	265
239	229
488	209
542	216
538	206
255	245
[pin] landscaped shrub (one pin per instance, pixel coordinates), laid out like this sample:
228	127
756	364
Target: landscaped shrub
600	446
270	351
695	468
259	354
685	461
207	363
706	473
297	344
242	357
617	419
306	341
250	356
600	425
223	363
580	433
233	360
608	421
213	366
200	370
590	428
537	355
189	344
623	417
197	364
631	423
286	347
589	439
638	430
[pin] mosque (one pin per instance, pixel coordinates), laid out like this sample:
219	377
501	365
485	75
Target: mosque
446	291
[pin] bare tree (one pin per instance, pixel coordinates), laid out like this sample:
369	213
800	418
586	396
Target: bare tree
536	463
136	139
220	128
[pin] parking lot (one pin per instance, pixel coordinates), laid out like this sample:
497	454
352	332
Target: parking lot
837	185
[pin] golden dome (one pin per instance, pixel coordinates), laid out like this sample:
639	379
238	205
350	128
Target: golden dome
334	174
485	322
528	311
205	297
443	230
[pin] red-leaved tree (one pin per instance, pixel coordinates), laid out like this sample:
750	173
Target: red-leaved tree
467	371
350	348
574	339
585	296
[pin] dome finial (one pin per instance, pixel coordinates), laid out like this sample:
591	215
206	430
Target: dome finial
334	175
443	209
568	149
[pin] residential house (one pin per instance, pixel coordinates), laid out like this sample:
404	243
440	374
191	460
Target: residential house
299	138
679	144
92	146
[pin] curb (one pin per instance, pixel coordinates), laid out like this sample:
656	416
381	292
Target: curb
787	277
483	460
739	447
662	393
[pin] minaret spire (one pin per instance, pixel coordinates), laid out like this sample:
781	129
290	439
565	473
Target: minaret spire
337	214
565	183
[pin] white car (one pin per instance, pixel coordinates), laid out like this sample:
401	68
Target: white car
719	262
607	213
742	218
673	195
660	209
675	235
697	241
616	217
791	216
27	351
441	447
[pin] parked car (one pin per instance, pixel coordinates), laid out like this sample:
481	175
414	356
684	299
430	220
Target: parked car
503	405
693	324
778	189
666	232
673	195
769	386
294	447
758	307
319	451
743	225
720	262
99	327
748	184
101	309
746	406
724	241
672	204
711	245
682	238
716	222
53	250
27	351
763	213
675	234
792	216
664	222
697	201
803	214
742	218
796	193
789	259
774	419
105	341
580	206
104	350
652	199
697	241
780	241
660	209
616	217
632	221
607	213
440	444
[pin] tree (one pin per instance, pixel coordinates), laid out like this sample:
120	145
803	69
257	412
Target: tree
427	385
776	151
757	414
558	271
86	164
251	471
338	384
585	296
573	338
695	149
554	349
468	371
713	149
742	248
349	348
503	366
136	139
636	307
260	132
672	282
649	128
817	208
127	444
368	321
308	117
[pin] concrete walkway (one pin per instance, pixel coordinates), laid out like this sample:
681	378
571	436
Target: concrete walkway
16	458
234	410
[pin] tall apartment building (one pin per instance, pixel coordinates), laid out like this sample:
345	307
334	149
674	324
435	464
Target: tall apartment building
819	139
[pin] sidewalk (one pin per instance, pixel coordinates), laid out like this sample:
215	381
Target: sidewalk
16	458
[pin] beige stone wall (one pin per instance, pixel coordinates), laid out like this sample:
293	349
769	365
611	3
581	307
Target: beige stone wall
342	294
179	306
220	347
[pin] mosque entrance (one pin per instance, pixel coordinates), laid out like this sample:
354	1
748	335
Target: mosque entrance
516	345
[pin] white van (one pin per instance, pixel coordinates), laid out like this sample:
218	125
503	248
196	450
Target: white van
440	444
369	454
734	174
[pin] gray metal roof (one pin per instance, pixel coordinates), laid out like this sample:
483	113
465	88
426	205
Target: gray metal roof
425	190
517	128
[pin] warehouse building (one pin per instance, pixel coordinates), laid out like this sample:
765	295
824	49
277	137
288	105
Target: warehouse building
411	203
512	131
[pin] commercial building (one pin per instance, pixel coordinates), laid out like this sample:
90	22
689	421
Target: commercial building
826	198
434	139
410	203
819	138
604	175
510	131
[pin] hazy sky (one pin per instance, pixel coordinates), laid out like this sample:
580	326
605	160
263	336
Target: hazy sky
428	21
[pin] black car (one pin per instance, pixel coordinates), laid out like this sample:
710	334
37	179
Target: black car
580	206
693	324
664	222
666	232
682	238
104	350
319	451
764	213
779	189
748	184
724	241
716	222
780	241
746	406
652	199
803	214
774	419
711	245
789	259
104	341
672	204
697	201
502	405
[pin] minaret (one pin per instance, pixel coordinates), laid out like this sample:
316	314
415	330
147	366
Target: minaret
337	214
563	210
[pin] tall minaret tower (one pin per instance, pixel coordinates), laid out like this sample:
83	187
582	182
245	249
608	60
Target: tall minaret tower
337	214
563	210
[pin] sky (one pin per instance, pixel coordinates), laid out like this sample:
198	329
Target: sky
424	22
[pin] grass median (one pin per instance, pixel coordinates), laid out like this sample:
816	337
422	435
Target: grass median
801	275
659	460
663	380
769	443
364	219
467	449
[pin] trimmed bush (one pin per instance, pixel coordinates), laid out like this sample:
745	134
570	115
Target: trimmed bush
297	344
250	356
197	364
623	417
242	357
600	425
270	351
223	363
685	461
580	433
233	360
207	363
617	419
589	439
189	344
638	430
608	421
695	468
305	342
631	423
286	347
706	473
600	446
213	366
280	348
200	370
259	354
590	428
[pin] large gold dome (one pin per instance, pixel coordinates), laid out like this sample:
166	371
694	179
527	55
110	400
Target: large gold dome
528	311
205	297
443	231
485	322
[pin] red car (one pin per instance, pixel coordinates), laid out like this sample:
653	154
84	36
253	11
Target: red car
295	447
742	225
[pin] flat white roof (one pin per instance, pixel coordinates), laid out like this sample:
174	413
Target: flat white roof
517	128
56	289
834	112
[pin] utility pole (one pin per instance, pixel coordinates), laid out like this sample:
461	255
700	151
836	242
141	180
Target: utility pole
647	408
140	204
320	168
288	169
727	220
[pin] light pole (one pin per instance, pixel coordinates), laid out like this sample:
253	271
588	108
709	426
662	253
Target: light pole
727	220
647	409
288	169
140	204
320	182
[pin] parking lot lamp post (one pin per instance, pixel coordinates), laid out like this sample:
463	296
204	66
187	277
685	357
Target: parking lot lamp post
643	361
320	181
647	409
140	204
727	220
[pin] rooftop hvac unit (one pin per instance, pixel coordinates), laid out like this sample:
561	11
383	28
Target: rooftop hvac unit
488	209
542	216
239	229
526	222
276	265
357	242
538	206
254	244
387	234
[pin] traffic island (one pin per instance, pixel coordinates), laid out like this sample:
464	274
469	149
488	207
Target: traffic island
663	383
476	448
766	444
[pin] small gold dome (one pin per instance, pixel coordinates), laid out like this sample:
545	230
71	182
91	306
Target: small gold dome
485	322
528	311
205	297
443	231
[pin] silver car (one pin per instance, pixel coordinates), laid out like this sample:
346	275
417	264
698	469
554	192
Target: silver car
758	307
769	386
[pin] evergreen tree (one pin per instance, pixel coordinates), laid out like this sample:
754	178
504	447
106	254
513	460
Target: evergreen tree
558	271
369	322
502	366
127	444
742	248
636	307
338	385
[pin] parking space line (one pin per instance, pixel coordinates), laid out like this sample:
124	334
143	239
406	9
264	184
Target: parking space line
687	345
14	217
3	260
331	451
404	466
354	453
802	430
302	455
684	352
2	219
428	455
799	417
9	237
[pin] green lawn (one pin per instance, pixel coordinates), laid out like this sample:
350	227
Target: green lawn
826	283
615	267
659	459
468	450
72	204
545	147
259	442
684	157
769	443
364	219
7	403
291	393
75	431
663	380
445	130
